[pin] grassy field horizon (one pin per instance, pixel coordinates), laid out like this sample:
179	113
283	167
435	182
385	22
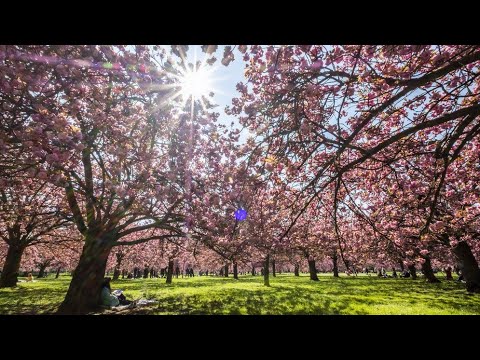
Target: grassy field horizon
287	295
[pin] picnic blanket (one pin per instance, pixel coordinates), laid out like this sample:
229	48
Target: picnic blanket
124	308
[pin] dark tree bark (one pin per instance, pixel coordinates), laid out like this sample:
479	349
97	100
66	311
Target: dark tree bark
58	273
413	272
83	294
274	274
448	272
312	269
428	271
335	264
468	265
253	270
116	272
297	270
402	267
169	271
11	266
42	268
266	279
225	271
235	270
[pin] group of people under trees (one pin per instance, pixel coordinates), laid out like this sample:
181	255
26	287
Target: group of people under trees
150	272
137	273
406	273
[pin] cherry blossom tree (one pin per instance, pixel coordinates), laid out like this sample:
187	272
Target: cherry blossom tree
30	214
327	111
101	124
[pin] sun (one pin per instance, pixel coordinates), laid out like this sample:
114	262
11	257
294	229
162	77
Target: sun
194	81
196	84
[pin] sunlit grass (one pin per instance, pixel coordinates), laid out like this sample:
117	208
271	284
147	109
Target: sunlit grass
287	295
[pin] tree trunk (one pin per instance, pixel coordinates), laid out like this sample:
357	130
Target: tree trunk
312	269
235	270
413	272
428	271
468	265
118	263
41	271
225	272
402	268
266	280
335	264
116	274
11	266
297	270
169	271
448	272
83	294
273	268
58	273
253	270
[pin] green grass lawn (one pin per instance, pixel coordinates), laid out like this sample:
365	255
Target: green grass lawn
287	295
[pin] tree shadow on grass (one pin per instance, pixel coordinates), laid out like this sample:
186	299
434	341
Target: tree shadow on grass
30	301
274	300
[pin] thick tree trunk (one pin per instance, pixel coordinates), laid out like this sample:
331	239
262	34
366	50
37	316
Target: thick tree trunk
41	271
11	266
225	271
266	280
235	270
468	265
274	274
58	273
413	272
335	264
253	270
83	294
312	269
402	268
169	271
297	270
428	271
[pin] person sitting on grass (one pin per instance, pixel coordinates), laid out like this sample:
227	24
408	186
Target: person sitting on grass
109	299
29	277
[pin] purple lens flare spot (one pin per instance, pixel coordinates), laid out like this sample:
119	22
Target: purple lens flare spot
240	214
